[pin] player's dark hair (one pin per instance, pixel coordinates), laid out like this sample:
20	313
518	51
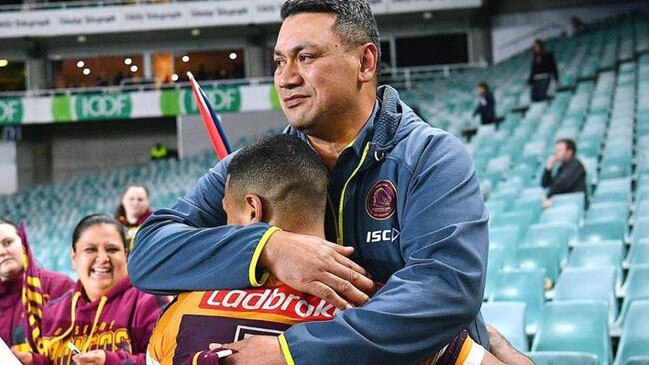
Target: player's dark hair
355	24
539	43
96	219
284	172
570	144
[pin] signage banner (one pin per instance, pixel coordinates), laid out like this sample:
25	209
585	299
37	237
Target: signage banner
141	104
115	19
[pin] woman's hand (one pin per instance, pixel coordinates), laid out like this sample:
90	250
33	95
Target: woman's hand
26	358
94	357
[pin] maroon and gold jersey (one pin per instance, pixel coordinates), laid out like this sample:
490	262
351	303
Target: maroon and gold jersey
196	319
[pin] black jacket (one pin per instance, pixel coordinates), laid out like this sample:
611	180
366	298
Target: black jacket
486	108
570	178
544	64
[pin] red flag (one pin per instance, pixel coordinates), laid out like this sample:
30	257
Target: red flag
32	296
211	120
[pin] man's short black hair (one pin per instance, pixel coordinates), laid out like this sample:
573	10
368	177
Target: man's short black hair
355	24
570	144
284	172
483	85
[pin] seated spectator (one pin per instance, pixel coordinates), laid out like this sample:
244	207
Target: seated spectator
486	105
268	181
571	176
14	324
108	319
133	209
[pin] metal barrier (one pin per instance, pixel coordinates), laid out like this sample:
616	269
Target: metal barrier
398	77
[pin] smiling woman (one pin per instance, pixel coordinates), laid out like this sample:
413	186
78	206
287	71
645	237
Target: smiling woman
13	326
105	316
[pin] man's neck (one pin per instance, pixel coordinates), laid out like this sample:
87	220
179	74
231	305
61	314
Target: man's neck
330	145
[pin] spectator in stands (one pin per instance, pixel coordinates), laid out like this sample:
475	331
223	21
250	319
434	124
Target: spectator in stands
298	181
486	105
104	315
159	152
577	25
404	195
571	176
133	209
13	326
544	68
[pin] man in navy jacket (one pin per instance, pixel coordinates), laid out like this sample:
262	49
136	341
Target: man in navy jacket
404	204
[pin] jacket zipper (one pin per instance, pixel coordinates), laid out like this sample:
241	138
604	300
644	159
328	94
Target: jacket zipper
339	235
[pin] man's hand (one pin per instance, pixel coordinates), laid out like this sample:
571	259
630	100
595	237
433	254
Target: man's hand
317	267
549	165
26	358
94	357
256	350
546	203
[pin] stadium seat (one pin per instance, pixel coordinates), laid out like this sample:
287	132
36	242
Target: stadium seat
635	337
519	218
570	214
603	230
504	236
588	283
636	287
552	234
640	230
547	258
563	358
599	254
509	319
580	326
524	286
638	254
608	210
576	199
494	265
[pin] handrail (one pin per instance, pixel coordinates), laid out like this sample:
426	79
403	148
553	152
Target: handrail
28	6
148	86
405	75
536	31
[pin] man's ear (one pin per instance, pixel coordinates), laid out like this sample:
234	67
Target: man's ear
254	208
369	58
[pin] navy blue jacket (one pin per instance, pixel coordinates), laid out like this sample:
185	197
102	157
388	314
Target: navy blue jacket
404	194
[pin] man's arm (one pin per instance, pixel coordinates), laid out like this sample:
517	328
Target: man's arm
438	293
570	174
547	179
188	247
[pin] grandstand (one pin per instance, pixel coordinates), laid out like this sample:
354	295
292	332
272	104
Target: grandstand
597	254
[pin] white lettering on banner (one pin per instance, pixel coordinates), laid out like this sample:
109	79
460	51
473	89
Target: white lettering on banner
103	106
8	109
111	19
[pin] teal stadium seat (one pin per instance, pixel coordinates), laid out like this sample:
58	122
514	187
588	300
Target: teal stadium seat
635	337
546	258
522	286
494	265
570	214
603	230
588	283
608	210
600	254
552	234
576	199
575	326
638	254
636	287
563	358
519	218
509	319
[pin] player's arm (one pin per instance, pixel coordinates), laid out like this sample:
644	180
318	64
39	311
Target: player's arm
438	293
188	247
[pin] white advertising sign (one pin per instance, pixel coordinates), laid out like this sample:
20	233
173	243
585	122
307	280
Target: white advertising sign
112	19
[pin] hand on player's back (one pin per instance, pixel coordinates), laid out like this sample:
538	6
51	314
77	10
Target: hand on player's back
317	267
